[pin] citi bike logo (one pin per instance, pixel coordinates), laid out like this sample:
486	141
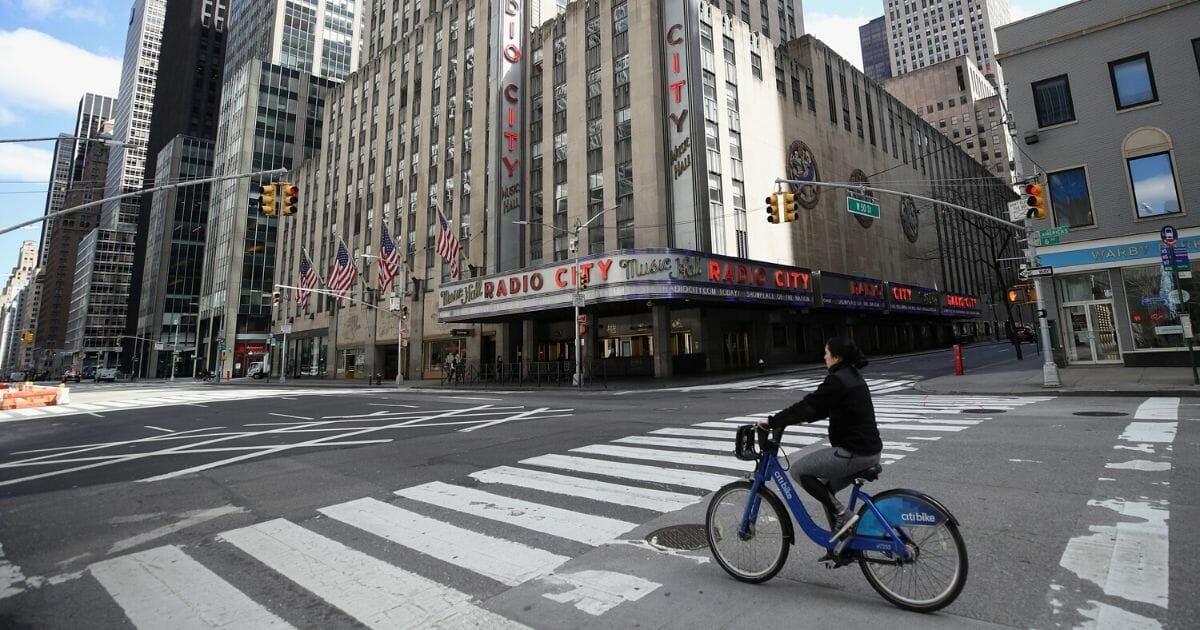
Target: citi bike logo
783	485
918	517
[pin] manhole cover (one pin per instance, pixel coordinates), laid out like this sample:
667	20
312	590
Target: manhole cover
1100	414
982	410
679	537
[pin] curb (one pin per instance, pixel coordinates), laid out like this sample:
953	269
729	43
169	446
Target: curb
1096	393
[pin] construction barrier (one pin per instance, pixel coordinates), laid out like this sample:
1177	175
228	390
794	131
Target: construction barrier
29	396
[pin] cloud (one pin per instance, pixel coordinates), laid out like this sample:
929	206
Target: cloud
839	32
1019	12
20	162
43	73
79	11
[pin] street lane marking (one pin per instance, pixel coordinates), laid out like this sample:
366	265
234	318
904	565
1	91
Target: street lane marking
1158	409
645	498
637	472
150	426
165	588
674	457
597	592
505	561
377	594
284	415
585	528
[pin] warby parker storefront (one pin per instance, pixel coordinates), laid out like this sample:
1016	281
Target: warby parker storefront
659	312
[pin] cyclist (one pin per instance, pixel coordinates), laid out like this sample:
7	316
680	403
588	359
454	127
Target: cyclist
845	399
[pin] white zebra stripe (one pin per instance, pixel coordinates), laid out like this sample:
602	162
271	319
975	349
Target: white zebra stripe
165	588
585	528
674	457
502	560
377	594
637	472
645	498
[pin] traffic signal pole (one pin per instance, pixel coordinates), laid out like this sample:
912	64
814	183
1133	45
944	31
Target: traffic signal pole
138	193
1049	368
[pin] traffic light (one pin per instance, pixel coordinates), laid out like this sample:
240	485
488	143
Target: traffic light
583	328
290	195
276	298
789	206
1013	296
27	337
403	312
267	201
773	209
582	284
1035	199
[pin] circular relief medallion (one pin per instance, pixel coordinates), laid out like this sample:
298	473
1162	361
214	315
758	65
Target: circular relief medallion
859	177
909	219
802	165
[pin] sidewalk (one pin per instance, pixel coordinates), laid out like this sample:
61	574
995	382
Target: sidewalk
1025	378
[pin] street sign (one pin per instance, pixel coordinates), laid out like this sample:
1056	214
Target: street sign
1017	210
1035	272
395	304
1049	240
863	207
578	300
582	319
1174	297
287	329
159	347
1169	235
1058	231
404	330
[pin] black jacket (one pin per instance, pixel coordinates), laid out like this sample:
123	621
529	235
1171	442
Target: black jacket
845	399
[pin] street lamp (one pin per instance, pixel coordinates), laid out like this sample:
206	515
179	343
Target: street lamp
578	300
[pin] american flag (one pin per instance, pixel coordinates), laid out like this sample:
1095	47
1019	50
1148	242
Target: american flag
308	280
389	261
344	272
448	246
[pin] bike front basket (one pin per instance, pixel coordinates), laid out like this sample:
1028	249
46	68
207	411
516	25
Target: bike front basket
744	443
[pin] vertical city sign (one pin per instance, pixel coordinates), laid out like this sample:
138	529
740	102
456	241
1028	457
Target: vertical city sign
688	209
508	64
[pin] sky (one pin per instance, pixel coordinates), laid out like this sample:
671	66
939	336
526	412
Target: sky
56	50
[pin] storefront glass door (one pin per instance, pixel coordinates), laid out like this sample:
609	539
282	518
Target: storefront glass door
1092	334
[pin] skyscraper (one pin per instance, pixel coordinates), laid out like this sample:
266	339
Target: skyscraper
135	103
281	58
925	32
873	40
170	254
76	177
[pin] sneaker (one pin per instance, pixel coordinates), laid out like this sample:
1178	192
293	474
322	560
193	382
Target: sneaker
842	524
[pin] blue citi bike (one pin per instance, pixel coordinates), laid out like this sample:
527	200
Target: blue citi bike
906	542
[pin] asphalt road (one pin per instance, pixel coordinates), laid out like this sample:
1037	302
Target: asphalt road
374	508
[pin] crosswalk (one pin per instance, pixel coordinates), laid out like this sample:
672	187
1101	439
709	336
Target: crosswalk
809	383
137	399
508	525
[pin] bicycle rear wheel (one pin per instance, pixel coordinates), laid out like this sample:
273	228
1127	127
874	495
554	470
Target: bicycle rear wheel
758	556
936	570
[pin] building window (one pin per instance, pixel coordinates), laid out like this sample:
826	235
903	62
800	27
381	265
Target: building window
1069	198
1132	81
756	65
1052	100
1153	180
1153	320
1196	51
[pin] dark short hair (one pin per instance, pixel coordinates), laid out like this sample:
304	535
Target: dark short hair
844	348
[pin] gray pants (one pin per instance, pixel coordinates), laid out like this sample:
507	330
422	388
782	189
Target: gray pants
829	470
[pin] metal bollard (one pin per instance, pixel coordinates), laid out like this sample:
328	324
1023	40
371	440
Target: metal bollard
958	362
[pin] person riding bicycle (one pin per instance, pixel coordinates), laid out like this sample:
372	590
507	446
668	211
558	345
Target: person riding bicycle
845	399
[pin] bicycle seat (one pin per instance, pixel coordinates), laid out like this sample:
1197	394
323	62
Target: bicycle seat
868	474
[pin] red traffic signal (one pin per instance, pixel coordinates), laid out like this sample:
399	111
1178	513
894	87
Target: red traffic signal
1035	200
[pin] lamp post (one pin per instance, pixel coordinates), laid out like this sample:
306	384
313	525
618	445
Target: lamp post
175	347
371	294
578	299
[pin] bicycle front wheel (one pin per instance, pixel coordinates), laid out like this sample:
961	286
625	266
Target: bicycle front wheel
936	570
761	553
